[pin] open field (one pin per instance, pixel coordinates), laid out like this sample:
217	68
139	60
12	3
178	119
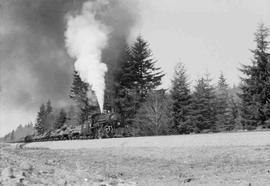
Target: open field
207	159
194	140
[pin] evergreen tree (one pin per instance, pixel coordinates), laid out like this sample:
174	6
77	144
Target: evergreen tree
79	92
12	136
145	75
203	106
234	105
113	77
48	107
181	101
126	99
137	76
41	120
61	119
224	118
255	95
72	116
49	117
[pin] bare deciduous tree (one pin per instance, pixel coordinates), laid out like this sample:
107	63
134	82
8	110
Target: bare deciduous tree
153	117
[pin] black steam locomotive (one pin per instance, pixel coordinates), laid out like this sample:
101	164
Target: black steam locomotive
99	125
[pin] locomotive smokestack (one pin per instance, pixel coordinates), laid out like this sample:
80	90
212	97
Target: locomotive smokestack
85	38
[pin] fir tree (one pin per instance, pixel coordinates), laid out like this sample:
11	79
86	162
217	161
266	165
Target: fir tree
234	105
49	117
181	101
137	76
61	119
72	116
255	95
12	136
224	118
145	75
114	80
79	93
48	107
203	106
41	120
126	98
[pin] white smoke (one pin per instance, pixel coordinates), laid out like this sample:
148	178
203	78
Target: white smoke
85	39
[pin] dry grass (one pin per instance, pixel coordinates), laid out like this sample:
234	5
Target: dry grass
165	166
195	165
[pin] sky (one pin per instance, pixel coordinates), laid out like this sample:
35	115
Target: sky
210	36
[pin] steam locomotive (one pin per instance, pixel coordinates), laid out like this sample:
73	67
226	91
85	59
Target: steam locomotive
98	125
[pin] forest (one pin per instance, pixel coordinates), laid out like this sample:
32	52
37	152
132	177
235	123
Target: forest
132	90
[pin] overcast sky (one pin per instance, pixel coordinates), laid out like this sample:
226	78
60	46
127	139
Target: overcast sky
207	36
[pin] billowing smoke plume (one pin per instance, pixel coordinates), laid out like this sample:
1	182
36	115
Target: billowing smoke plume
34	64
86	37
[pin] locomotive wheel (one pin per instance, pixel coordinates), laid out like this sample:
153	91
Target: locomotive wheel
98	133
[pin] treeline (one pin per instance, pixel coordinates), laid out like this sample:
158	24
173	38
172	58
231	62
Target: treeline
214	108
208	108
255	86
49	118
132	91
19	133
205	107
128	89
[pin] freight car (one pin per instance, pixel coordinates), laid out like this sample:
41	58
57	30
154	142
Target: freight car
98	125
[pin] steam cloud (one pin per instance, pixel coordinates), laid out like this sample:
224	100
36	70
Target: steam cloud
34	64
86	37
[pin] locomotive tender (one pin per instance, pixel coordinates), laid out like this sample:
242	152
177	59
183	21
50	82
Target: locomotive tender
99	125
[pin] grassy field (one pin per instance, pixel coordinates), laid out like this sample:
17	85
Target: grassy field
193	140
207	159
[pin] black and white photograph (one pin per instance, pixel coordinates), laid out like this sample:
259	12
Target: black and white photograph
134	92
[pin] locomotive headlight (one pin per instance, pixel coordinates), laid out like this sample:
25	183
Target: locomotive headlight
118	123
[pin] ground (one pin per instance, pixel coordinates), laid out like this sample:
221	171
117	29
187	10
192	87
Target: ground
133	165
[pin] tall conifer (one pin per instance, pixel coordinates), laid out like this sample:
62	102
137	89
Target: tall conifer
224	118
255	86
146	76
181	101
137	76
78	93
41	120
203	106
61	119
